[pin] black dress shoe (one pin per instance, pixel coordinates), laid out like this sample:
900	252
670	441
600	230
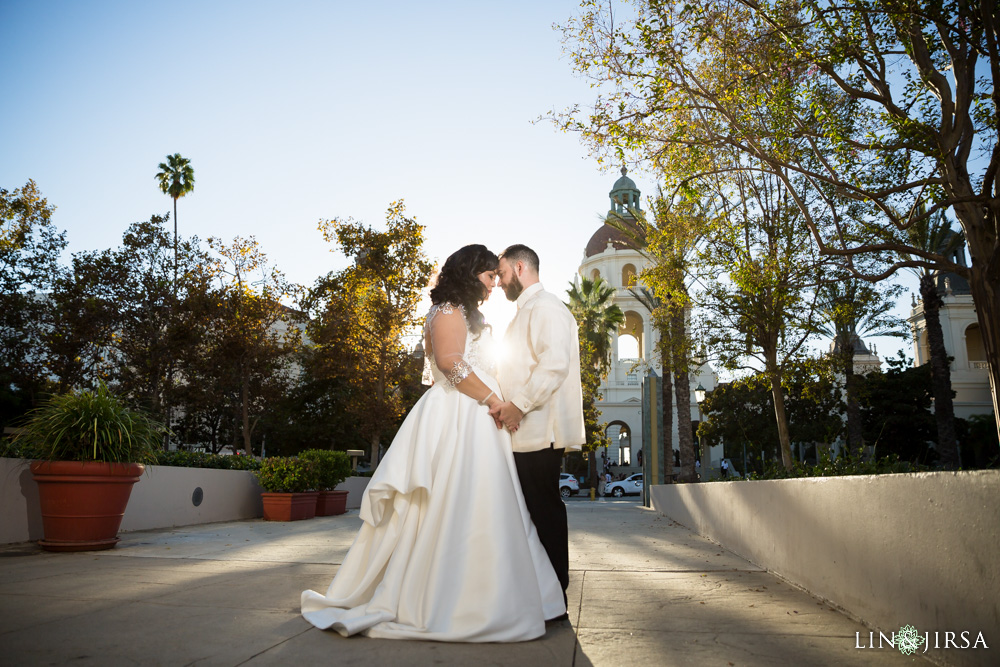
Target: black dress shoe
564	617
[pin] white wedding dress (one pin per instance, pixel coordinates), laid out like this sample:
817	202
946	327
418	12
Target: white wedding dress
447	551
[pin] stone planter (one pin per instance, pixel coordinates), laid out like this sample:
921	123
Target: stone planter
330	503
289	506
82	502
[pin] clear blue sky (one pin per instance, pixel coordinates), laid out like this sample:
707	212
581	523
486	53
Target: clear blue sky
295	111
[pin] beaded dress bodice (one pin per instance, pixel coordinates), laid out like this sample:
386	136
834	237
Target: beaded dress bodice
479	351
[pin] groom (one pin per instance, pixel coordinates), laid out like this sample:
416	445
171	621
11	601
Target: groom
540	377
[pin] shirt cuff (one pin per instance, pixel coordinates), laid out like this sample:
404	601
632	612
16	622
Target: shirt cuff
522	403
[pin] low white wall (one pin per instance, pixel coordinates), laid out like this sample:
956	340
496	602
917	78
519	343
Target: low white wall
920	549
162	498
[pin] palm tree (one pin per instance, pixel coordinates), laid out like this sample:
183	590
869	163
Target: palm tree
592	303
597	317
934	234
176	177
850	308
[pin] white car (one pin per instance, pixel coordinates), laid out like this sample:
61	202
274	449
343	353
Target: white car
629	486
568	486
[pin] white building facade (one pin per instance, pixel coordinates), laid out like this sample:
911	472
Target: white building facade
962	340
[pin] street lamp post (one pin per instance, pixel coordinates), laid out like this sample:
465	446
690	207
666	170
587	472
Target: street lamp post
699	396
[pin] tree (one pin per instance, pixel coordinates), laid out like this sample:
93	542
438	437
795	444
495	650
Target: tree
934	234
740	414
254	334
597	317
662	321
889	104
760	271
896	409
592	303
669	242
378	295
30	246
849	309
176	177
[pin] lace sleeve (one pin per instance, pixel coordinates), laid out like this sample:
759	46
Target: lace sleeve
448	332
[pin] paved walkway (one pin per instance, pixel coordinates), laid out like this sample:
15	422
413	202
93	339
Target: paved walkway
644	591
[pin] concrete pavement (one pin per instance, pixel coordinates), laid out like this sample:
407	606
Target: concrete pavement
644	591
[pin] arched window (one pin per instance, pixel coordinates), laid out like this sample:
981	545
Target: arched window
628	275
974	347
628	347
633	327
595	274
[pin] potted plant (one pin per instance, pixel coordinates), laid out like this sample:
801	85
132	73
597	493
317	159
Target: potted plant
332	468
289	488
93	449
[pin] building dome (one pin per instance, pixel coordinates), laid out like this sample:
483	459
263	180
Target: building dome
598	243
624	195
624	183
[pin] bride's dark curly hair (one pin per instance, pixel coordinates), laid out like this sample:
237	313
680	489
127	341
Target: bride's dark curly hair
458	282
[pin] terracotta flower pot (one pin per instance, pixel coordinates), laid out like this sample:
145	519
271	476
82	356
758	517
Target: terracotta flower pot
330	503
289	506
83	502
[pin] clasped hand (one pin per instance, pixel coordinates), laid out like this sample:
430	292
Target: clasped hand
507	414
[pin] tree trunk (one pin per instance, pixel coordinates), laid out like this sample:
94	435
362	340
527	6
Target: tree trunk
855	431
666	390
379	409
682	391
944	409
778	396
245	414
986	295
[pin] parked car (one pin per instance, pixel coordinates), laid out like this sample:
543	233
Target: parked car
568	486
629	486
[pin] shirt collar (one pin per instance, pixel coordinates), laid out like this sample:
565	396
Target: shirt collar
528	293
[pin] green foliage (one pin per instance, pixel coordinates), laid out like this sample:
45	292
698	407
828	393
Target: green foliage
360	317
845	464
980	445
30	246
332	467
281	474
186	459
741	413
896	411
592	303
175	176
90	425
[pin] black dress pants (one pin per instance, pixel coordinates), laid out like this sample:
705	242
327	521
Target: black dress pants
539	475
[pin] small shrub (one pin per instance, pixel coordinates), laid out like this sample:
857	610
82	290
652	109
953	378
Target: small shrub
332	467
281	474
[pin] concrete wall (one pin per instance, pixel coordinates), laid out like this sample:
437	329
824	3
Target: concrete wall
920	549
163	498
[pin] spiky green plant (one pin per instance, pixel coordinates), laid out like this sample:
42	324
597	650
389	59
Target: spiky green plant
90	425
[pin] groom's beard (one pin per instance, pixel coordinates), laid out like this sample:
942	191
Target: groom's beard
513	289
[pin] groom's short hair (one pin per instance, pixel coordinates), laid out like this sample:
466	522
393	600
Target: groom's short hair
521	253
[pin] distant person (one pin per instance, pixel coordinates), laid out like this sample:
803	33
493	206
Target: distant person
725	467
447	550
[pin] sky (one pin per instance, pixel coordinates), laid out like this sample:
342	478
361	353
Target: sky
296	111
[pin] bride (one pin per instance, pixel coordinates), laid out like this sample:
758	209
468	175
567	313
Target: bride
447	550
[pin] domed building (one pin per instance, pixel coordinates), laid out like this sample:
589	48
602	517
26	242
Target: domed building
612	255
